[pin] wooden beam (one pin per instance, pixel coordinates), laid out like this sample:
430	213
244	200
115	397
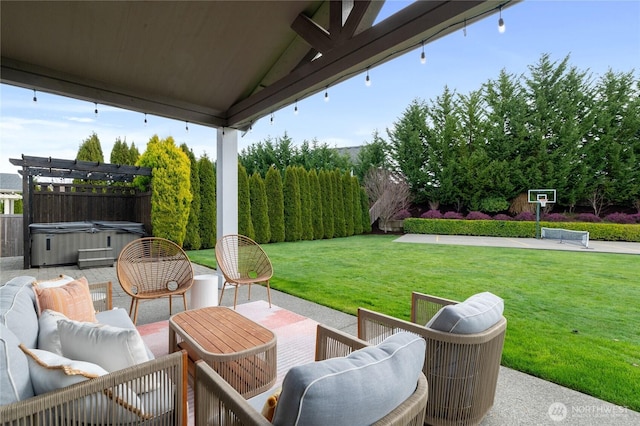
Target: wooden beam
317	37
376	45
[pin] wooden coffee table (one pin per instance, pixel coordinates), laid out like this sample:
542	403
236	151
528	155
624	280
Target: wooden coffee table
240	350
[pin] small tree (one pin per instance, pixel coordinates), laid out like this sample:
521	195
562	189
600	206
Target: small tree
347	196
389	193
275	204
259	209
170	190
292	207
207	220
192	237
305	204
326	190
245	225
357	206
316	205
340	229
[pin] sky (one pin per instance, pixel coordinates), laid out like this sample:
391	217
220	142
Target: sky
597	36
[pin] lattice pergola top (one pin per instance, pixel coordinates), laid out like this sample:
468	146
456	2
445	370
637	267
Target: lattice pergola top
77	169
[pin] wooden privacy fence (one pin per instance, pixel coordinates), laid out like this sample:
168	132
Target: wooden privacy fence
11	241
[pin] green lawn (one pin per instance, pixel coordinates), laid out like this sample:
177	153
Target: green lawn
573	317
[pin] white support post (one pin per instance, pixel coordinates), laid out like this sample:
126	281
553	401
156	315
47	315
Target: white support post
227	182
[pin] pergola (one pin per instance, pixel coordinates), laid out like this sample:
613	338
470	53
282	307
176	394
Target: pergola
222	64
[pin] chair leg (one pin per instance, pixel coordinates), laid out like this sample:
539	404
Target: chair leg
249	296
269	293
235	297
170	307
184	300
133	299
135	313
222	293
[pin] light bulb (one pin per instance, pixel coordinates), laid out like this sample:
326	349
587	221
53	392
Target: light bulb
145	118
96	110
295	109
423	57
272	119
35	98
326	95
501	26
186	126
367	80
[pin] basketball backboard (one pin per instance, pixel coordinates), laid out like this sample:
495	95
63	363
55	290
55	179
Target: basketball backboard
542	196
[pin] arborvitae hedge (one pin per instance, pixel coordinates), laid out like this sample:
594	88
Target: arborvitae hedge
275	204
292	205
326	189
316	205
364	202
347	194
259	210
192	237
357	206
207	223
338	205
245	225
305	204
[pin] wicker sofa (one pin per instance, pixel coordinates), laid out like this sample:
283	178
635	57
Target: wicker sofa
216	402
461	365
151	392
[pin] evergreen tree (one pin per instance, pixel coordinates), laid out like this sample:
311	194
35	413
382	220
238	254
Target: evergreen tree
192	237
347	197
357	206
364	202
120	153
340	228
134	154
275	204
208	214
292	205
171	190
259	209
375	154
326	190
245	225
316	205
90	149
305	204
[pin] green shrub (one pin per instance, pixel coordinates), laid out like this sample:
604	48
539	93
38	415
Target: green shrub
494	205
245	224
292	205
519	229
208	215
259	210
275	204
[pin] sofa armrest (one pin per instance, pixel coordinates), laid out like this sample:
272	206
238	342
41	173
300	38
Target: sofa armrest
425	306
332	343
374	327
102	296
218	403
169	373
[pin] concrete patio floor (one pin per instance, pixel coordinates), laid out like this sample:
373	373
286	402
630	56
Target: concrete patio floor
521	399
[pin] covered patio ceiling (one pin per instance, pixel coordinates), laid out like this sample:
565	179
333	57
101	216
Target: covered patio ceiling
214	63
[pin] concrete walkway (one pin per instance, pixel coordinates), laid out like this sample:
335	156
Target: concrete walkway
520	399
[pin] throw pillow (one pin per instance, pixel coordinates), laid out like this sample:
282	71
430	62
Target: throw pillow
72	299
112	348
54	282
50	372
270	404
48	336
355	390
475	315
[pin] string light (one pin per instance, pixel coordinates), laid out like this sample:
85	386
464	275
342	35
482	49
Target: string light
367	80
272	119
96	110
326	94
35	97
145	119
464	29
186	126
423	57
295	109
501	27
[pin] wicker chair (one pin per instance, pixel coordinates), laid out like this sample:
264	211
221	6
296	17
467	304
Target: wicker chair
242	262
217	402
149	268
461	369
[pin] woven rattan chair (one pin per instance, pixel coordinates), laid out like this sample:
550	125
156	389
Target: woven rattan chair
242	262
149	268
461	369
217	402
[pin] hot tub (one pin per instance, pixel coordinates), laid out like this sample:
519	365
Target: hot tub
58	243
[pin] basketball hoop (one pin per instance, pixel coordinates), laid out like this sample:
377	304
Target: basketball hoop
542	199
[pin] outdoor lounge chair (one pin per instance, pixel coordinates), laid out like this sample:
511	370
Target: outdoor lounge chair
217	402
149	268
242	262
461	369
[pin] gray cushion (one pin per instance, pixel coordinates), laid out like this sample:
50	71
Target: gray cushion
475	315
119	317
15	382
18	311
355	390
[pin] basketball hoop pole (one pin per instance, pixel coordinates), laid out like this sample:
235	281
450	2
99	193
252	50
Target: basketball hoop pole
538	220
